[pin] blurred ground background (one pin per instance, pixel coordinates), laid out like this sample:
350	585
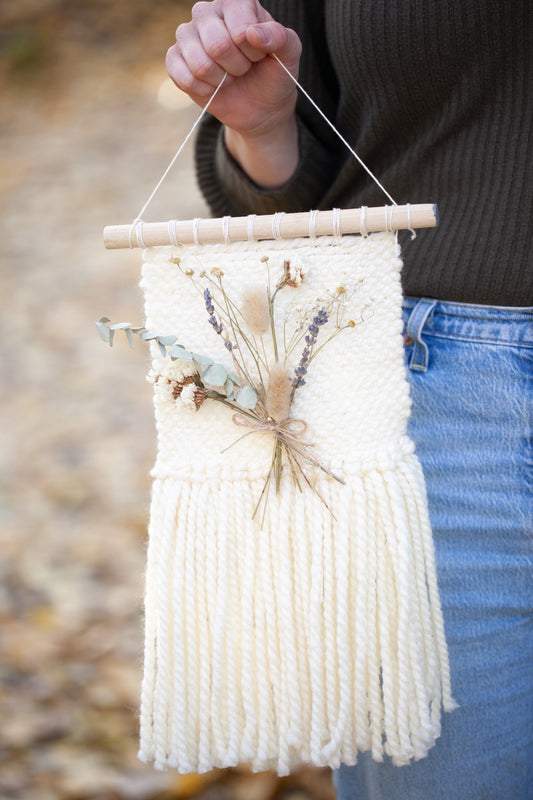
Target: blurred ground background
89	121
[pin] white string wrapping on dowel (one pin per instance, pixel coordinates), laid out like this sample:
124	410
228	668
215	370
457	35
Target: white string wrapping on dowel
312	224
250	227
362	223
336	223
196	230
276	224
409	221
225	229
172	235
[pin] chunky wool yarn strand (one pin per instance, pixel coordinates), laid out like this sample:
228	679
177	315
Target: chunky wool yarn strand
312	631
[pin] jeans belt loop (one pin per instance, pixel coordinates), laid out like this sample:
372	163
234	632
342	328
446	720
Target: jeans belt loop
419	359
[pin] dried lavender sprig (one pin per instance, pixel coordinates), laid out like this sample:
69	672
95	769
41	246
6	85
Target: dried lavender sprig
220	329
217	326
310	340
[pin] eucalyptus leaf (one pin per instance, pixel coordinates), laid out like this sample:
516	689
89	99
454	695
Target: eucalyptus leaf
120	326
162	348
130	337
177	351
215	375
103	330
235	378
228	388
111	336
246	397
203	361
167	341
147	335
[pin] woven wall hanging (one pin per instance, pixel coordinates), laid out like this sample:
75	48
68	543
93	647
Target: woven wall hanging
292	610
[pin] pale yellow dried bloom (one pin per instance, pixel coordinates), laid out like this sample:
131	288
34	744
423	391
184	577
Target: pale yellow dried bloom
278	396
254	309
179	369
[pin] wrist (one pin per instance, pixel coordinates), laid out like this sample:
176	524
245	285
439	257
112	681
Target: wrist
269	157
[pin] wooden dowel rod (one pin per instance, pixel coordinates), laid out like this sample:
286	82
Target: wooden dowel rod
211	231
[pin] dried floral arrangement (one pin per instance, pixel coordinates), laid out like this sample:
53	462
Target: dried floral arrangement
260	388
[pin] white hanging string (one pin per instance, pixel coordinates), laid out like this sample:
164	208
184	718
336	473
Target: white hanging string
136	226
334	129
178	153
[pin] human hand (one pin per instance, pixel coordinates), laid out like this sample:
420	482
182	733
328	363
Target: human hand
235	36
257	100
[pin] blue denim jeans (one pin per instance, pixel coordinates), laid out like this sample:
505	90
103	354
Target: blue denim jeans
471	374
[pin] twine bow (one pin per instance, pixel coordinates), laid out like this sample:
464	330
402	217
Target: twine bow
288	429
286	434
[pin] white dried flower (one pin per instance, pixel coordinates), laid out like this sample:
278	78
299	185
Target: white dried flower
296	271
179	369
187	397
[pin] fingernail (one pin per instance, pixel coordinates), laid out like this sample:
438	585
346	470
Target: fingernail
262	35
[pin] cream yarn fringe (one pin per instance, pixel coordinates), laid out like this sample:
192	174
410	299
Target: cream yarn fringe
305	641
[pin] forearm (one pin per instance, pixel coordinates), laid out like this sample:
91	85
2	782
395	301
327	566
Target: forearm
269	158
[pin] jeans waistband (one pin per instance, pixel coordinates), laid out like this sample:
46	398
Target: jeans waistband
508	325
497	325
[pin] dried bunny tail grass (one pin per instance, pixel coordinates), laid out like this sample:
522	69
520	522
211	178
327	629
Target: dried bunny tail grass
255	309
278	396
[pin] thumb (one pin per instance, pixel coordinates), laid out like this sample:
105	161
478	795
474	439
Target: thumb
272	37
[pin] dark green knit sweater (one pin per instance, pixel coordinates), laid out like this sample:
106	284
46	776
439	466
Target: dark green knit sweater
435	96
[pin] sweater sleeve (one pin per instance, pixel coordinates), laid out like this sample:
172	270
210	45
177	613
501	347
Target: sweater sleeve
229	190
226	187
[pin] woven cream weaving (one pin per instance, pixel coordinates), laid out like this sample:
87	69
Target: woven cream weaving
311	630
